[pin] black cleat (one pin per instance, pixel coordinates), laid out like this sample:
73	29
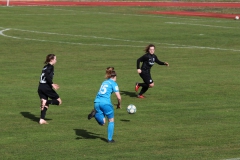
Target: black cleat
111	141
92	114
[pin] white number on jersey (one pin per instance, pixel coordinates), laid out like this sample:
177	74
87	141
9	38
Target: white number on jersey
42	78
103	89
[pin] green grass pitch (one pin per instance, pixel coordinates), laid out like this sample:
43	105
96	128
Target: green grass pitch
192	113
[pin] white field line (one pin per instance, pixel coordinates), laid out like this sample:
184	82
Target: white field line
203	25
145	15
40	14
1	33
113	39
136	15
107	13
233	159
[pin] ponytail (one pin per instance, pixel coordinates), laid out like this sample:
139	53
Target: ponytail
110	74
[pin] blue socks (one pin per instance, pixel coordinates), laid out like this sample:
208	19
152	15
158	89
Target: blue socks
110	130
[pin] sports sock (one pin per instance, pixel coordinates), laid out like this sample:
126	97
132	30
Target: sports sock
43	113
110	130
143	84
53	102
143	90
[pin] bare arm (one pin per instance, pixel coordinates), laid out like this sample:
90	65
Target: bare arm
119	99
55	86
166	63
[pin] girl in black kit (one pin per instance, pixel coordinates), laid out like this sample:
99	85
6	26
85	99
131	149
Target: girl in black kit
148	61
46	86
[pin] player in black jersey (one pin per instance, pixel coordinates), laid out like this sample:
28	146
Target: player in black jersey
46	88
148	60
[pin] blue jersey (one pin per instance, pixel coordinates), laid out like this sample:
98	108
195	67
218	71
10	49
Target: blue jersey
107	88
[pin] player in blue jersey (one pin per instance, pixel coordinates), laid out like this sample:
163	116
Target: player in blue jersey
103	105
46	88
108	69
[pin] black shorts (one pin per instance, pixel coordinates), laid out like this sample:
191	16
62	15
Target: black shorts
45	92
146	76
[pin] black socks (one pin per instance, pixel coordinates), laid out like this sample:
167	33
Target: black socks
43	113
53	102
143	90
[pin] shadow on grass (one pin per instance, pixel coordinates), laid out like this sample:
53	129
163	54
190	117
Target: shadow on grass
125	120
31	116
84	134
130	94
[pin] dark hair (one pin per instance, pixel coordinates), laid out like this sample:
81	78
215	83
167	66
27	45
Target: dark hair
49	58
108	69
110	74
148	47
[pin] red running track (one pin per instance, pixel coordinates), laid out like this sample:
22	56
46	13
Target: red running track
106	3
199	14
151	4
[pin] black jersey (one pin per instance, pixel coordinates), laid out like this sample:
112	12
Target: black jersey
47	75
148	61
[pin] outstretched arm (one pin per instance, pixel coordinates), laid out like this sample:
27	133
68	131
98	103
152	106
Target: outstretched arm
160	62
166	63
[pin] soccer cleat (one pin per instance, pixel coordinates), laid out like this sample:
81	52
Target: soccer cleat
42	121
111	141
92	114
136	87
140	96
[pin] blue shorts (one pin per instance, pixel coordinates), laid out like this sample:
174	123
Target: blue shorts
102	110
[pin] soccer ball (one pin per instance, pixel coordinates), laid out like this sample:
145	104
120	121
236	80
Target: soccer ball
131	109
237	18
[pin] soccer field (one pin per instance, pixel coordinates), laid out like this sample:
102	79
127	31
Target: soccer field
192	112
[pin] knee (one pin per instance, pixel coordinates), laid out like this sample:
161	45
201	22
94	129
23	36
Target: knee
111	120
43	101
151	85
60	101
103	122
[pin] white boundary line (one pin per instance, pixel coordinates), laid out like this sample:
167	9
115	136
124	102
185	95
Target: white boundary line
137	15
95	37
198	25
199	19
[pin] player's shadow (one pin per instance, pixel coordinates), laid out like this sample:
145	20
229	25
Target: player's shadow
124	120
130	94
84	134
31	116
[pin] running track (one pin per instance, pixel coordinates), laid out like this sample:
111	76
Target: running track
153	4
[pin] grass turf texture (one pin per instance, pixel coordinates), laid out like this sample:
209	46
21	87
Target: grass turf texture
191	113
